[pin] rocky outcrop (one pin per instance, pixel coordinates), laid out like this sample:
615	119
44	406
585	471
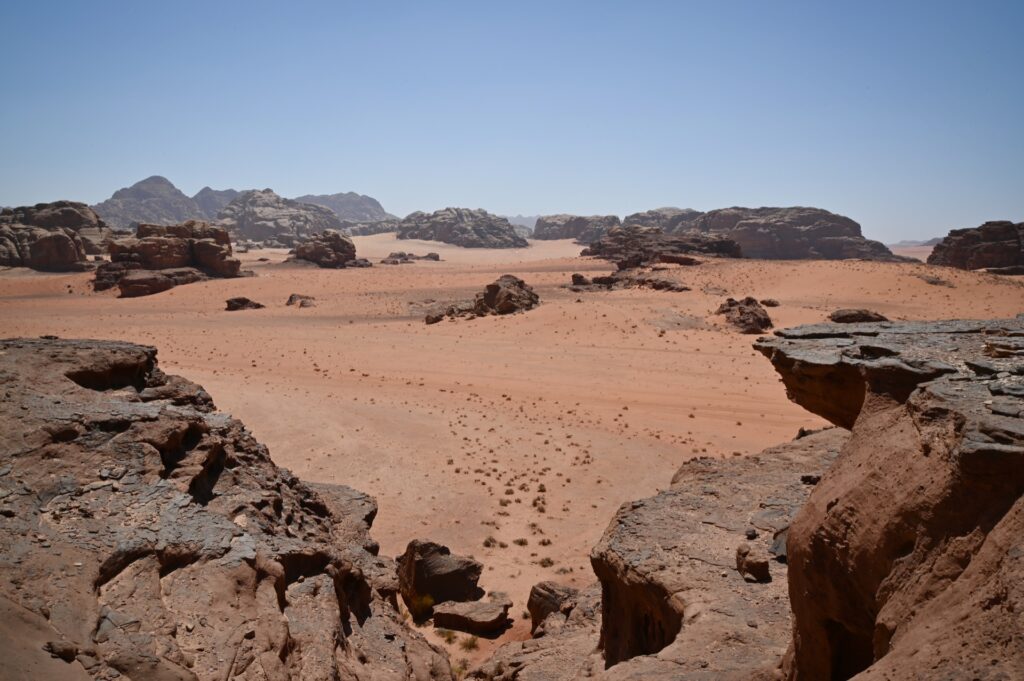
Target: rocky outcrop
330	249
993	245
668	220
212	201
163	256
483	618
403	258
349	206
623	279
51	237
793	234
636	246
462	227
506	295
856	316
370	228
145	535
301	300
906	560
262	215
429	574
242	303
154	200
747	315
584	229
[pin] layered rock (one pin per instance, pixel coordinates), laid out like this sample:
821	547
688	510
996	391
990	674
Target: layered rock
635	246
462	227
262	215
51	237
429	574
584	229
153	200
793	234
163	256
906	560
506	295
349	206
146	535
212	201
668	220
483	617
856	316
330	249
403	258
371	227
623	279
993	245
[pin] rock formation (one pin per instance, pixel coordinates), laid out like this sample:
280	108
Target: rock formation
636	246
624	279
856	316
993	245
747	315
242	303
52	237
371	227
505	295
212	201
793	233
462	227
585	230
668	220
349	206
483	617
301	300
403	258
262	215
330	249
147	536
154	200
163	256
906	560
428	575
547	598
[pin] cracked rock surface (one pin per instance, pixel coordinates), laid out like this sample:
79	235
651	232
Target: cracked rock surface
144	535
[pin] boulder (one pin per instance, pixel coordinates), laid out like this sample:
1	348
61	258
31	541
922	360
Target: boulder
429	574
506	295
584	229
747	315
301	300
547	598
51	237
635	246
262	215
147	536
993	245
153	200
668	220
482	618
462	227
330	249
752	563
905	561
242	303
856	316
793	234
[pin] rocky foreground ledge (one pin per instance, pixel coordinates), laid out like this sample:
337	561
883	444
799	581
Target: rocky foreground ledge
145	535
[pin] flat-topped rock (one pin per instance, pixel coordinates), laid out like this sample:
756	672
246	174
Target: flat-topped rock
584	229
668	220
483	617
636	245
462	227
998	245
429	574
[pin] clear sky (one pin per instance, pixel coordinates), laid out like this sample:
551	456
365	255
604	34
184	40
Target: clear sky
906	116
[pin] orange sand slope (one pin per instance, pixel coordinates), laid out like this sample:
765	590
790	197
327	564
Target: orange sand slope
535	426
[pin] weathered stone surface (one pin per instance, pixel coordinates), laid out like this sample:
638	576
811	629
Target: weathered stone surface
403	258
153	200
668	220
242	303
262	215
350	206
793	233
429	574
506	295
584	229
993	245
52	237
547	598
155	537
462	227
635	246
906	560
856	316
330	249
301	300
367	228
747	315
137	283
483	618
623	279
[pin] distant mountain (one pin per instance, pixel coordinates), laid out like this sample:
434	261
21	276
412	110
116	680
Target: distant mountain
154	200
349	206
212	201
528	221
910	243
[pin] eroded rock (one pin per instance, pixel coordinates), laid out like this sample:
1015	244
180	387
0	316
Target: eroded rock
330	249
993	245
747	315
584	229
51	237
462	227
262	215
635	246
856	316
429	574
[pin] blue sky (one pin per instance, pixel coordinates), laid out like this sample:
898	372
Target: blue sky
906	116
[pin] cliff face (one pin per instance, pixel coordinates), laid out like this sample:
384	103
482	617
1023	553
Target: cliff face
993	245
462	227
906	560
144	534
585	229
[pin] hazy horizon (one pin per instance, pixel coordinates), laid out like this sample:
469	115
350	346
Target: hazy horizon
903	118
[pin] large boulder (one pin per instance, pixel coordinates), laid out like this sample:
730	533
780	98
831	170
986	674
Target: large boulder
52	237
906	561
349	206
506	295
154	200
747	315
462	227
429	574
856	316
668	220
584	229
262	215
635	246
485	617
793	234
330	249
144	535
993	245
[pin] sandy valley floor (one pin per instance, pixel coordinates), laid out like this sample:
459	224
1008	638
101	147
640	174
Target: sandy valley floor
532	427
